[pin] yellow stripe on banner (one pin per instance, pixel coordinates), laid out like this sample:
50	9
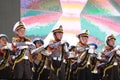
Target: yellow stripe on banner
72	6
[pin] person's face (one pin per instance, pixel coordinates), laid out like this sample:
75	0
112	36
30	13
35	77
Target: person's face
84	40
111	42
3	41
21	32
38	44
58	36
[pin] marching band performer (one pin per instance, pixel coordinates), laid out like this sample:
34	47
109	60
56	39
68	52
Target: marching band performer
71	63
22	46
40	61
5	51
94	61
83	69
57	61
58	49
110	69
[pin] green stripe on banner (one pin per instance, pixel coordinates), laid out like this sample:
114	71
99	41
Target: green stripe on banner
33	13
40	30
93	8
93	29
116	5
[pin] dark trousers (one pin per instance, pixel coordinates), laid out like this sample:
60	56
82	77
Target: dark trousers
84	74
45	75
112	74
35	73
73	73
95	76
23	70
6	73
61	74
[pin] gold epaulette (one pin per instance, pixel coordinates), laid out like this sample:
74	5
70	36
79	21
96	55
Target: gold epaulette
28	39
78	43
52	40
106	47
15	39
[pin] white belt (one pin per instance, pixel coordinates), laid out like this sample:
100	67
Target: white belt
57	58
25	57
54	58
95	71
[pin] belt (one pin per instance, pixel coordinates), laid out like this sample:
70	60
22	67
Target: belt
95	71
57	58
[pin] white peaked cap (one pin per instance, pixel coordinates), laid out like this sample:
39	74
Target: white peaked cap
83	33
17	24
4	35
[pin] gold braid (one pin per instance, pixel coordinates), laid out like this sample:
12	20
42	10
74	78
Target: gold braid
19	58
5	60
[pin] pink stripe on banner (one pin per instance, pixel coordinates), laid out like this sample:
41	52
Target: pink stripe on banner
109	23
118	2
94	40
43	18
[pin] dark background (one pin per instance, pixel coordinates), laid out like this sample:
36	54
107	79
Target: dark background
9	15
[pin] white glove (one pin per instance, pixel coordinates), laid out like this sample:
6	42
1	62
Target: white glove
5	47
78	60
91	51
22	47
118	52
8	46
39	49
71	55
63	41
117	47
29	43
